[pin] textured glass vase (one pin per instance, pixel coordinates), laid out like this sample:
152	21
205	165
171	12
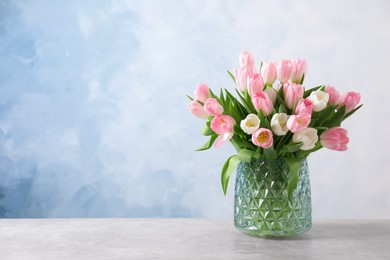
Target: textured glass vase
261	204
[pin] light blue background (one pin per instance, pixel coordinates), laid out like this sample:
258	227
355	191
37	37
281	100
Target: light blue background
93	113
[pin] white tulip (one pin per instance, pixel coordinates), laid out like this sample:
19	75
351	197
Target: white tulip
250	124
307	136
271	93
319	99
279	124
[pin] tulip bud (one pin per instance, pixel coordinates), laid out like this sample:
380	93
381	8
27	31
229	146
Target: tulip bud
319	99
202	92
292	94
213	107
335	138
197	110
246	59
334	95
299	69
284	70
268	72
261	101
350	100
308	137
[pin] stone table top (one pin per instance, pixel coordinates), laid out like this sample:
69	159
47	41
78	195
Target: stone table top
186	239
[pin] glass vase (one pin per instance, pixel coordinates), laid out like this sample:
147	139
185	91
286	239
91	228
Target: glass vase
261	204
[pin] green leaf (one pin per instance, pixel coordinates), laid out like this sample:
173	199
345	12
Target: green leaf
190	98
236	105
232	76
237	130
266	123
290	148
270	153
280	99
325	114
248	106
351	112
209	143
247	144
294	165
282	109
303	78
245	155
336	119
207	130
308	92
229	166
222	98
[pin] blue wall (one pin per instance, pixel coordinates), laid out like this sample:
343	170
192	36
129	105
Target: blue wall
93	113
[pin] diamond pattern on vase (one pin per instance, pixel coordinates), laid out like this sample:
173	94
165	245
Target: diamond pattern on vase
261	205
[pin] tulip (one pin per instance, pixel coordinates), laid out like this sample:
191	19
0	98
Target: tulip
263	138
197	110
271	92
250	124
308	137
255	85
292	94
246	59
350	100
279	124
261	101
334	95
222	124
242	75
335	138
299	69
284	70
319	99
268	72
304	107
202	92
213	107
297	123
222	139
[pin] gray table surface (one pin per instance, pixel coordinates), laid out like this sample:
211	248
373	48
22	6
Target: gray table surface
186	239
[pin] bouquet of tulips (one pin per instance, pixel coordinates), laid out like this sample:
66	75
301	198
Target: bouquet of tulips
272	121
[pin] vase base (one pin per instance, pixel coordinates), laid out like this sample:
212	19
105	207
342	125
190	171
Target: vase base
273	233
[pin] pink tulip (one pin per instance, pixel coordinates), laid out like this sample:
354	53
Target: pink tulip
261	101
299	68
271	92
335	138
268	72
246	59
263	138
242	75
350	100
222	124
255	85
304	106
197	110
292	94
297	123
284	70
222	139
202	92
213	107
334	95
